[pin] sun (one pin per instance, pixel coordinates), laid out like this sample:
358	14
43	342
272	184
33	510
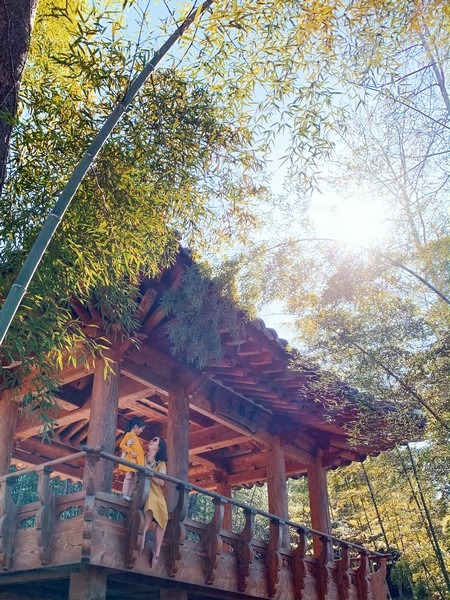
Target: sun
357	220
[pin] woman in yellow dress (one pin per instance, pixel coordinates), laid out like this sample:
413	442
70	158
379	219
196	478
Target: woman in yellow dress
133	451
155	508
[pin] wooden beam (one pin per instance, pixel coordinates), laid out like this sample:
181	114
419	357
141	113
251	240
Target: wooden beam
204	406
28	427
213	438
72	471
72	434
177	593
161	385
129	391
146	304
258	474
69	374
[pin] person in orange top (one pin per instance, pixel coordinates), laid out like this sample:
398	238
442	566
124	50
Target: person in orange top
133	451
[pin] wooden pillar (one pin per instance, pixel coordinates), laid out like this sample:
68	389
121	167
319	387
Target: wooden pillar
276	485
87	584
8	418
177	444
318	499
103	418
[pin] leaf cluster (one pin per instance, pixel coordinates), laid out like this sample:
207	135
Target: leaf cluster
202	308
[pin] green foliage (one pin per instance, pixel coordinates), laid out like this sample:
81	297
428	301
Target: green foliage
300	65
392	514
255	496
24	490
203	307
177	163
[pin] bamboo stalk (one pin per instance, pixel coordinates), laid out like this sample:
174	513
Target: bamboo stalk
425	515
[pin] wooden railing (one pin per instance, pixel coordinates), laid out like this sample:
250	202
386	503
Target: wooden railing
343	570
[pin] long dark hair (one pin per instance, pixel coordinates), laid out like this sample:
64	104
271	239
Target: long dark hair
134	421
161	455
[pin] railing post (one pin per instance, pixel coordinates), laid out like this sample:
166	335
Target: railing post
213	540
299	569
378	585
273	556
342	574
90	486
136	521
362	576
45	517
8	513
244	550
322	567
176	533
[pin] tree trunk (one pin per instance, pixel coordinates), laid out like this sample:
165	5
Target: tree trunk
16	24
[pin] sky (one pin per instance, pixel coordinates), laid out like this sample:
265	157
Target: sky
354	217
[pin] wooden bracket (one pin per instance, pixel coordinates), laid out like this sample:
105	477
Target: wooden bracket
244	550
136	521
322	569
378	585
342	573
176	533
213	540
273	556
299	568
362	577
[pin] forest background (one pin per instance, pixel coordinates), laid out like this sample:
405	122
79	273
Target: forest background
338	98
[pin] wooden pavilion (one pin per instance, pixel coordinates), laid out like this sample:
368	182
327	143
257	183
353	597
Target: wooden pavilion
244	419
